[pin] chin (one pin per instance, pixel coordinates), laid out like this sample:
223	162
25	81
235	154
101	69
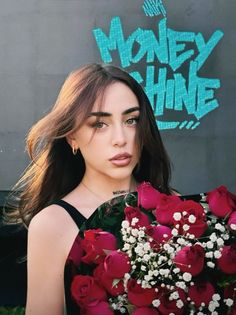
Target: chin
121	173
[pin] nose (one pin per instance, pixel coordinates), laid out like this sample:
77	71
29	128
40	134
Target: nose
118	136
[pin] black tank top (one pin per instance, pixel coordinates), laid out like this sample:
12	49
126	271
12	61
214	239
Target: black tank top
73	257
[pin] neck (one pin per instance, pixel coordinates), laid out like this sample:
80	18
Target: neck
105	189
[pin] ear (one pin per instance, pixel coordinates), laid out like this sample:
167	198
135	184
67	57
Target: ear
71	140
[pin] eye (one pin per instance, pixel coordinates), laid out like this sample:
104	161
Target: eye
98	125
132	121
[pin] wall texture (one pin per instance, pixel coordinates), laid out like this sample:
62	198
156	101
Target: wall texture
42	41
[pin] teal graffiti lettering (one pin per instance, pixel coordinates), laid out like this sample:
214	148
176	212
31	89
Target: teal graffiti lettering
174	37
168	48
196	97
205	49
152	8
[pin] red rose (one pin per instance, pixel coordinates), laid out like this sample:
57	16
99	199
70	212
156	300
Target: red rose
116	264
168	306
139	296
221	201
190	259
159	234
134	212
100	308
201	292
107	282
193	215
232	222
164	209
147	196
145	311
227	261
76	252
95	243
85	290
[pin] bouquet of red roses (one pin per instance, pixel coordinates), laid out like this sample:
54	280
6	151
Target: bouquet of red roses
151	253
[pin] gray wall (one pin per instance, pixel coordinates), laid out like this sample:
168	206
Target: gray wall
42	41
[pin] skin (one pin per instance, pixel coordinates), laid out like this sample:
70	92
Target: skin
50	237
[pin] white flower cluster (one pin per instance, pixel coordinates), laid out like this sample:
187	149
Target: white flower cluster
118	303
152	263
148	265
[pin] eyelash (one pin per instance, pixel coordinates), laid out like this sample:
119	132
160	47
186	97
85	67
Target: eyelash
99	123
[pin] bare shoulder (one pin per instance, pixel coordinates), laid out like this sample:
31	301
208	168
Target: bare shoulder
48	219
52	226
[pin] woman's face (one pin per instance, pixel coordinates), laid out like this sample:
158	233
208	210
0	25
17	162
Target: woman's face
111	150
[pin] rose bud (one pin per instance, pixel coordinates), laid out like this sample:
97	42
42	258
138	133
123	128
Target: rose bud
168	306
190	259
99	308
95	243
227	261
112	286
193	215
201	292
221	201
232	222
116	264
147	196
145	311
164	209
134	212
138	295
159	234
85	290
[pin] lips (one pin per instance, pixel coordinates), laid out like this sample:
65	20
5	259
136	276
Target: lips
120	156
120	160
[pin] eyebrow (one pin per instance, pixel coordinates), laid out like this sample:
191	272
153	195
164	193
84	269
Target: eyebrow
106	114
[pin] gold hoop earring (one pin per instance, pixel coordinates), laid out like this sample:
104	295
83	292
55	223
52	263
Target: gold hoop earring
74	150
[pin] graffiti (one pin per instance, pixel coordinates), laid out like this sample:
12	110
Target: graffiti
154	8
166	86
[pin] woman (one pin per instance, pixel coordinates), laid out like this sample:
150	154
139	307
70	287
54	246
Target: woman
99	141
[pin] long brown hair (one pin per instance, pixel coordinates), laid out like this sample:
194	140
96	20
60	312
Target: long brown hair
54	171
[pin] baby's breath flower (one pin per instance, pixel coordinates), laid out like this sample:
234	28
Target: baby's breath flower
181	285
179	304
213	237
210	264
217	254
156	303
209	255
210	244
220	242
229	302
177	216
187	276
134	221
125	224
185	227
192	218
233	226
216	297
174	232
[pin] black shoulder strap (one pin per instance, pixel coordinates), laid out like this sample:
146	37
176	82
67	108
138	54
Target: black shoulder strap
74	213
